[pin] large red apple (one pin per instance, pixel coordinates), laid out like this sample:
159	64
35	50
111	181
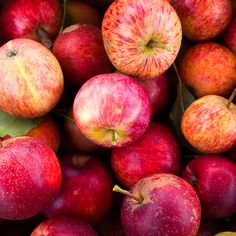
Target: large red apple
31	79
203	20
208	68
161	204
81	54
209	124
157	151
142	38
112	109
30	177
35	19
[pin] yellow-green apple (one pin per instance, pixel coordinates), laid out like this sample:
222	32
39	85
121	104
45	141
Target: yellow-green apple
30	177
86	191
62	225
203	20
226	233
81	54
214	179
112	109
156	151
34	19
209	124
146	41
208	68
161	204
31	79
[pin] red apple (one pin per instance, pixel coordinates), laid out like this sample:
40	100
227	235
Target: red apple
86	191
161	204
209	124
157	151
81	54
62	225
33	19
30	177
214	179
112	110
146	41
203	20
31	79
208	68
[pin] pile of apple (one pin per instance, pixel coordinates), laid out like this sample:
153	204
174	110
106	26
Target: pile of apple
128	96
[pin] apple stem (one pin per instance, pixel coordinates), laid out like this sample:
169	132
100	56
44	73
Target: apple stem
65	116
156	44
114	138
117	189
65	2
233	94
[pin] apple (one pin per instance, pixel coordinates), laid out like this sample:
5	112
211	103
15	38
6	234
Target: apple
30	177
141	38
156	151
203	20
86	190
226	233
214	179
112	109
161	204
81	54
37	20
62	225
208	68
31	79
209	124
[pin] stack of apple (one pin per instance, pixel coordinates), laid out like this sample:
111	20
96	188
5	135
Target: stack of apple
134	96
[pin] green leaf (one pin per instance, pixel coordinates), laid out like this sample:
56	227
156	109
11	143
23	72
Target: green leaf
14	126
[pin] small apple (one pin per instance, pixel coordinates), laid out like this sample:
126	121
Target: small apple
30	177
160	204
112	109
209	124
203	20
81	54
31	79
146	41
156	151
208	68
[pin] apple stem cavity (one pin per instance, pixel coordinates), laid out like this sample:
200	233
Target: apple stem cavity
65	2
114	137
155	44
80	160
233	94
11	52
118	189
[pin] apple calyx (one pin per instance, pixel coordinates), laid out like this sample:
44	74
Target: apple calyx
156	44
11	52
117	189
80	160
233	94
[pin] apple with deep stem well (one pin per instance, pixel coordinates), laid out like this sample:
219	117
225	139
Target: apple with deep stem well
112	109
146	41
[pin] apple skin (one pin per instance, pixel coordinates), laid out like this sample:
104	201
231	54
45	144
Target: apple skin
226	233
209	125
81	54
86	191
30	177
62	225
169	206
31	79
208	68
147	40
33	19
156	151
214	179
112	109
203	20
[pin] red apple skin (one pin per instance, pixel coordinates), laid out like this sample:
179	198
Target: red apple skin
170	206
209	125
147	40
86	191
203	20
34	19
157	151
30	177
31	79
81	54
62	225
112	110
208	68
214	179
